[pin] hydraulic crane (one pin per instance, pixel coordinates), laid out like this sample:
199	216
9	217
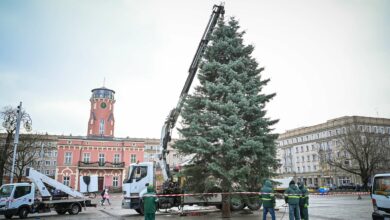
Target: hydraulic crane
166	131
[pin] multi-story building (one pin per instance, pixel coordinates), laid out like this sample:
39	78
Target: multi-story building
98	153
299	150
38	151
47	162
152	150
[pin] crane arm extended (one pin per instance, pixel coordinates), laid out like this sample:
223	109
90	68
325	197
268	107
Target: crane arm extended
39	179
218	10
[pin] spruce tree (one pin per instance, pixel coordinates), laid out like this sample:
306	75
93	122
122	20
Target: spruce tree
224	122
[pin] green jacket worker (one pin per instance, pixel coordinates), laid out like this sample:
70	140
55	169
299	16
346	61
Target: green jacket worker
304	202
292	196
268	198
150	201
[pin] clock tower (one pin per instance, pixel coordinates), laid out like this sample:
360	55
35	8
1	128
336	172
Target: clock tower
101	120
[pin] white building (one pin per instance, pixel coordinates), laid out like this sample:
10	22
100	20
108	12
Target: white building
298	150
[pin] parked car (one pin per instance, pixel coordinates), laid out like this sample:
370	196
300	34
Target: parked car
348	186
331	186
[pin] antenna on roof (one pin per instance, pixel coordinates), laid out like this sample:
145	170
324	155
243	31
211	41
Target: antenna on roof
104	81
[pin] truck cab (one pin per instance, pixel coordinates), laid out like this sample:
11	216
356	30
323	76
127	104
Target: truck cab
17	199
134	187
380	194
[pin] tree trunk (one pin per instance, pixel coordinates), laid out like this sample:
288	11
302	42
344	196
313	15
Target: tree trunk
226	206
4	155
20	176
365	182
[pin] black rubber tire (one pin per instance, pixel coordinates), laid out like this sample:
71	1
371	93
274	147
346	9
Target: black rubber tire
23	212
8	216
141	208
74	209
254	206
61	212
253	203
219	206
236	204
138	211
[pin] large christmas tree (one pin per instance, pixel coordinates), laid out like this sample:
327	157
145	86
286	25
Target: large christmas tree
224	122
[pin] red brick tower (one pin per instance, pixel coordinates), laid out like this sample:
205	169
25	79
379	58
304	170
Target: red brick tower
101	121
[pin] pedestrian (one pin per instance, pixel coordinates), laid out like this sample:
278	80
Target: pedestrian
150	201
103	199
303	202
107	197
292	196
267	197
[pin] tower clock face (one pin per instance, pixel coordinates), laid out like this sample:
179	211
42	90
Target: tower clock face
103	105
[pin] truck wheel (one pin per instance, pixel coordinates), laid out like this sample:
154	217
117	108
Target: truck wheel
74	209
254	206
8	216
141	209
253	203
23	212
61	212
236	204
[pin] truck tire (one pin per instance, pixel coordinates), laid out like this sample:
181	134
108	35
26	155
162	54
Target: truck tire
236	204
140	210
8	216
254	206
23	212
74	209
253	203
61	212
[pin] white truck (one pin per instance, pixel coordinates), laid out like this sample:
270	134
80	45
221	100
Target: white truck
35	197
380	195
148	173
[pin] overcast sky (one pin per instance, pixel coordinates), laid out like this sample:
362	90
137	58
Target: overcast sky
325	59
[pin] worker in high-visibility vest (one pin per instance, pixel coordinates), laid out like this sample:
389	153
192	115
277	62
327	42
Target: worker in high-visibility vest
292	196
150	201
304	202
267	197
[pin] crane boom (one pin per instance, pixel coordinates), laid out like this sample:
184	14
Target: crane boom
218	10
39	179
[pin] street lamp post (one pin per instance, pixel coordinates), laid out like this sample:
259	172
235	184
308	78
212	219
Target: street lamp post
16	140
25	118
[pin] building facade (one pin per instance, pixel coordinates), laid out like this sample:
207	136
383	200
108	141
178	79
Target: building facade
47	162
109	159
99	153
298	150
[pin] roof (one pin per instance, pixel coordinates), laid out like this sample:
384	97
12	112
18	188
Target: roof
382	174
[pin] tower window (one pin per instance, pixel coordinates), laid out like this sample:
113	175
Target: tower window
101	128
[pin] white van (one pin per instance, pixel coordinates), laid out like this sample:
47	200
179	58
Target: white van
380	195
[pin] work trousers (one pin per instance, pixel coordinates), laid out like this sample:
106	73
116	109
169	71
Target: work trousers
271	212
293	212
150	216
304	212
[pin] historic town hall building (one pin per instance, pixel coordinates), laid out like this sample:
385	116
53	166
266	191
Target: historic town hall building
98	153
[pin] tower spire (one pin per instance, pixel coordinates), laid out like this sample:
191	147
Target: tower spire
104	81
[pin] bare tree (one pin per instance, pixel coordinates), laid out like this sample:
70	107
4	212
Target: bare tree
9	116
28	154
358	151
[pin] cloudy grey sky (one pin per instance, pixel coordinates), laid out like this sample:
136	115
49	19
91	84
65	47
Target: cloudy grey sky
326	59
